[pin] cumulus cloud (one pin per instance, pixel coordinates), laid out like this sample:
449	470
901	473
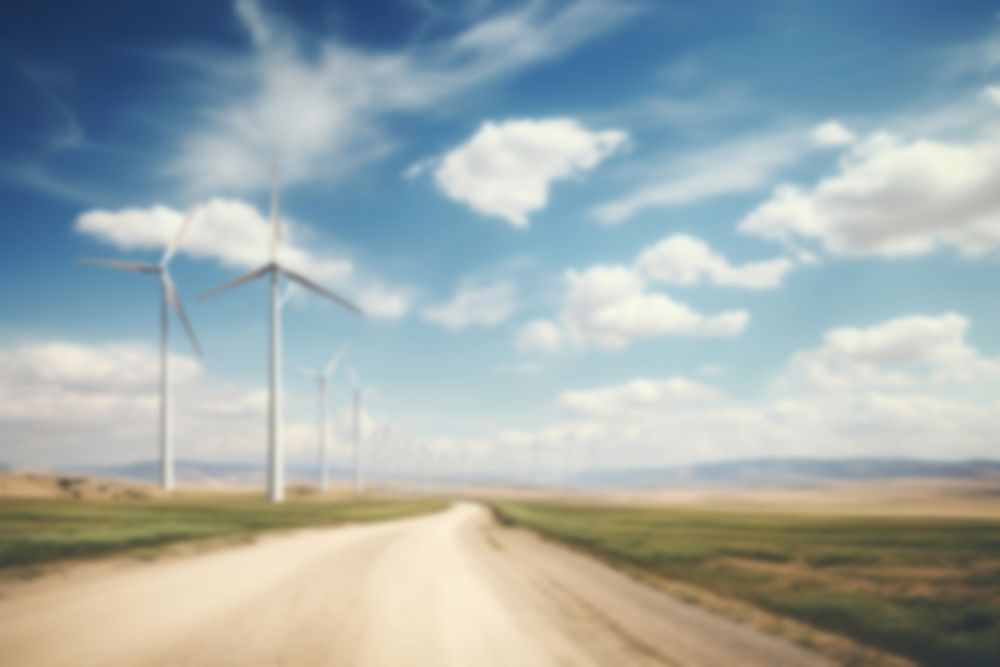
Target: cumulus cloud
832	133
992	93
67	403
235	234
637	398
909	387
745	164
85	379
903	352
483	305
324	107
611	307
506	169
377	300
229	231
891	198
539	336
684	260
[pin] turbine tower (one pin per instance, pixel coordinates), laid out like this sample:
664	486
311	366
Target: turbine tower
169	300
322	379
356	410
275	270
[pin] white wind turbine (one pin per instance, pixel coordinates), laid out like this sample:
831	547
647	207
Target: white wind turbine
322	379
274	269
358	392
169	299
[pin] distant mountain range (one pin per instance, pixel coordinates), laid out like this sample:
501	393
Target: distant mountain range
752	472
785	472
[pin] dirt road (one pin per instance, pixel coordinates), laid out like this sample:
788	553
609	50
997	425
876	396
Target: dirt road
451	589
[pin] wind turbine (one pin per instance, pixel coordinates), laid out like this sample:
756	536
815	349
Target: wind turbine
275	270
322	380
169	299
358	391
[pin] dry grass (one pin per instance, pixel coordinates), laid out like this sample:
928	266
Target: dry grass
926	588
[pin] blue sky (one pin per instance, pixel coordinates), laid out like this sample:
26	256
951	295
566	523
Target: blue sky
652	232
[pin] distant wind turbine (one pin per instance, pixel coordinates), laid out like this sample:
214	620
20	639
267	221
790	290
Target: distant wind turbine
274	269
322	379
356	410
169	299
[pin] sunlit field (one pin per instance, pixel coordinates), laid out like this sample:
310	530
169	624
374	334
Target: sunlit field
926	588
39	531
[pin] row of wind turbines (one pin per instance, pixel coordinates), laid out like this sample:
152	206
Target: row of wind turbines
275	271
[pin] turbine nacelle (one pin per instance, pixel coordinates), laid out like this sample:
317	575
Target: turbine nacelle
171	296
295	276
275	270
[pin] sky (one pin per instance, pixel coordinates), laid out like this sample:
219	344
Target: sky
589	233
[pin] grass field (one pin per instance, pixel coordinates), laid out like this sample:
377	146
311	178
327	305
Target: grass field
928	589
39	531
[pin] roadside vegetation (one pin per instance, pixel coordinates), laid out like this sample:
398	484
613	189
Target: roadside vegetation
928	589
39	531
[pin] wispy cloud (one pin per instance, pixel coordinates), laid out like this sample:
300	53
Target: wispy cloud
325	109
474	304
67	132
740	165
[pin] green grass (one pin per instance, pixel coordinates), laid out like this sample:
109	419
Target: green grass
39	531
928	589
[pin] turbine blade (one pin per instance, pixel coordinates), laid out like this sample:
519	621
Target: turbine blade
287	293
332	296
236	282
124	265
175	242
335	360
352	375
175	301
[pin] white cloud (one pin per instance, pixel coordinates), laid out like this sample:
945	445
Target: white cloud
91	374
377	300
235	234
684	260
742	165
229	231
66	403
637	398
539	336
253	20
610	306
324	107
484	305
893	198
910	387
506	169
832	133
907	351
975	58
992	93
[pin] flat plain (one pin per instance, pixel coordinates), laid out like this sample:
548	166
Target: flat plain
925	587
